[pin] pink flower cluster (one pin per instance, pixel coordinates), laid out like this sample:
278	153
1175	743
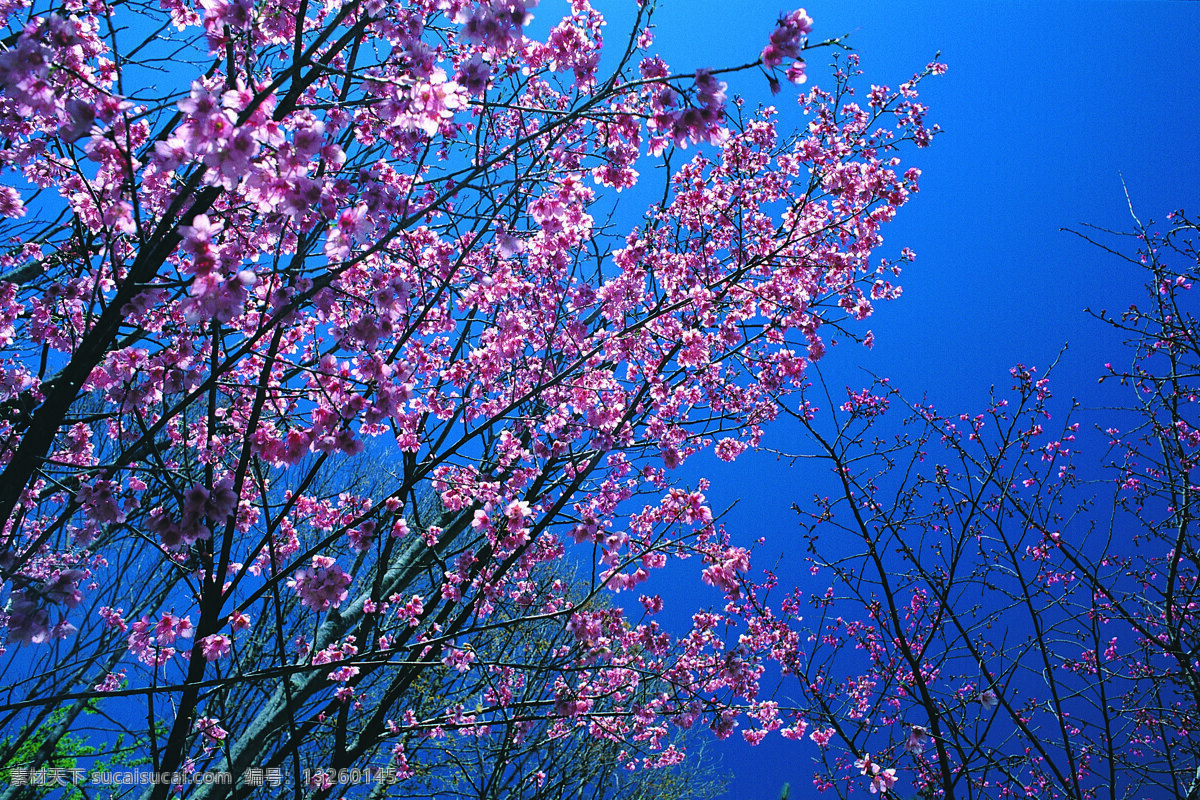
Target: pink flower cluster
151	642
32	71
321	586
497	24
211	730
787	38
199	504
111	682
881	779
99	500
28	623
459	659
27	612
678	121
215	646
725	568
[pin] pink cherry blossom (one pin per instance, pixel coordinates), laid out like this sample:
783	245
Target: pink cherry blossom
787	38
918	737
358	274
111	683
210	728
321	586
215	646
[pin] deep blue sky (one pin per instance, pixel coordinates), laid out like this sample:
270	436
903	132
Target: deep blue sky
1046	107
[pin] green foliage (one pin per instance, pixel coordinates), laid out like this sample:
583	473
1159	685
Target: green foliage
70	753
66	754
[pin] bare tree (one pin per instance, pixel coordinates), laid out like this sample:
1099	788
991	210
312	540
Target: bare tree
1013	595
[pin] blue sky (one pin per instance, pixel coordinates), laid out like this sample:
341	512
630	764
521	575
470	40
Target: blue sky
1047	107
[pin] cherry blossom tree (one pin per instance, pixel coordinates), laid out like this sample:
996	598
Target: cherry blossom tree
1012	596
250	248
